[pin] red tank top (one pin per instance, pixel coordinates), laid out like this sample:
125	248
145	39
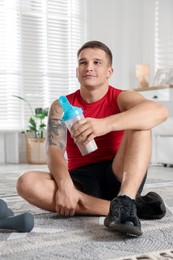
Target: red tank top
107	144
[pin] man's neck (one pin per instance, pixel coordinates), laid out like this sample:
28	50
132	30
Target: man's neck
91	95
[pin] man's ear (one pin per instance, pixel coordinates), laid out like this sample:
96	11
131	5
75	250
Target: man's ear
110	72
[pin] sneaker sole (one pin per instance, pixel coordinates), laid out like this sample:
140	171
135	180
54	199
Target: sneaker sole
127	228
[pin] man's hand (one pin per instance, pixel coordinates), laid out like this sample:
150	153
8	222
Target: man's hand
67	199
85	130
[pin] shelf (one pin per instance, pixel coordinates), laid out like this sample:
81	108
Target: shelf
154	88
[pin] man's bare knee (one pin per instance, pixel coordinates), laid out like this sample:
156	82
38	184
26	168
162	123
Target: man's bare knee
24	184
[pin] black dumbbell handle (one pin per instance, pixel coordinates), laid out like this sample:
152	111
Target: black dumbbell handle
21	223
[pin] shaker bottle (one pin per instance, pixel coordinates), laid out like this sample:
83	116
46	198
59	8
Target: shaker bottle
70	116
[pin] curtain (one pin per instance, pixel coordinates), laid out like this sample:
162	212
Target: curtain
39	40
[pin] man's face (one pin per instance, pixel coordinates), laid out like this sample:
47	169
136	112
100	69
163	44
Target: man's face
93	68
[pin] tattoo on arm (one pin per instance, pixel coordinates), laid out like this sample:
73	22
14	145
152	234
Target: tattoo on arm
56	129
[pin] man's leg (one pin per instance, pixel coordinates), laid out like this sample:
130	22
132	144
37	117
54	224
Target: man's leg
129	165
132	160
39	189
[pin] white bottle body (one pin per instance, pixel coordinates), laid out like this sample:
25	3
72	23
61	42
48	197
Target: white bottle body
84	149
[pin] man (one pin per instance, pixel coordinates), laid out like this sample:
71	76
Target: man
109	180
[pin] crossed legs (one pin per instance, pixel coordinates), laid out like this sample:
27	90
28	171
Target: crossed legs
130	165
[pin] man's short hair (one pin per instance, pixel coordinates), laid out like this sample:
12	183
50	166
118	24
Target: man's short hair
97	45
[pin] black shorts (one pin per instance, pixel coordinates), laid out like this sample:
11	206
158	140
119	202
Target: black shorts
97	180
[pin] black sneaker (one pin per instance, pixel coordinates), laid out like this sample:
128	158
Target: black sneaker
123	217
150	206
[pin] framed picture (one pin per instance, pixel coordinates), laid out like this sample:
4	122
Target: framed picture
163	77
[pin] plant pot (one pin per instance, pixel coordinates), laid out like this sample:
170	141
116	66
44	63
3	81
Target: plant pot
35	150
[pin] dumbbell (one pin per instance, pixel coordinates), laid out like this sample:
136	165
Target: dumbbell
4	210
23	222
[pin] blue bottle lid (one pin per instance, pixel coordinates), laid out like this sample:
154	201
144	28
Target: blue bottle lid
69	110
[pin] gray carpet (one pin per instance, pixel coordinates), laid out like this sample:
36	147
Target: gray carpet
80	238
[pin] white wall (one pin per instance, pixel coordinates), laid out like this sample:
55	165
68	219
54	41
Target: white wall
2	148
12	147
127	27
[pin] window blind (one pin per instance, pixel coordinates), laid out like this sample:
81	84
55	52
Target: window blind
39	40
163	34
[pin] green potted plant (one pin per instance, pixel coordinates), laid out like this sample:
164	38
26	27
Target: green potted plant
35	134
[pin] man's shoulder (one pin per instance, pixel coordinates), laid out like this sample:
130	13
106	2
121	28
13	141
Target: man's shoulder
73	94
114	91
